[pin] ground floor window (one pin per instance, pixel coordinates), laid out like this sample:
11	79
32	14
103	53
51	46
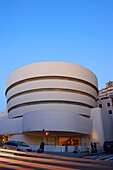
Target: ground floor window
69	141
3	138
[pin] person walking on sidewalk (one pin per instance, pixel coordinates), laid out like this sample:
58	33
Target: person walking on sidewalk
95	148
92	148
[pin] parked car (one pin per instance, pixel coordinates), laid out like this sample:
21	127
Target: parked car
108	146
17	145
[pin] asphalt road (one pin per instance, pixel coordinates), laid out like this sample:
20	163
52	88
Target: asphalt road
59	161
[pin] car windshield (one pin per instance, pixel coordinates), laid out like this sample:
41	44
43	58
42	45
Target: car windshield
22	144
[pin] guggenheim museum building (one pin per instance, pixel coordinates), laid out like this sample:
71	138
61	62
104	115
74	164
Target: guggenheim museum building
56	101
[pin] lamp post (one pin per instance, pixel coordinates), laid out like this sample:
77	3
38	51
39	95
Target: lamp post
43	134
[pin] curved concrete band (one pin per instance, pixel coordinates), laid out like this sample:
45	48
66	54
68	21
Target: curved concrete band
57	91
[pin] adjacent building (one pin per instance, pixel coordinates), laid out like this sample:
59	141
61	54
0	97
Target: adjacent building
105	102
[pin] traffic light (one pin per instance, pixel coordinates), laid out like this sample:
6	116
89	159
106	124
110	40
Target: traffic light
47	133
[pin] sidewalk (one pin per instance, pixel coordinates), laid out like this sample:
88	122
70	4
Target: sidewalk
71	154
68	154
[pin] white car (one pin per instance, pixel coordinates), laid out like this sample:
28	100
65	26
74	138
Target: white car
17	145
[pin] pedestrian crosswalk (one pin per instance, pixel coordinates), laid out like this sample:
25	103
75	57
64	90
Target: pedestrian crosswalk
104	157
34	161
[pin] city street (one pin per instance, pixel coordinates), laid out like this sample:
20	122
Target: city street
39	161
103	156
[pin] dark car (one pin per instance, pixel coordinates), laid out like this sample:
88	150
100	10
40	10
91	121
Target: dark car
17	145
108	146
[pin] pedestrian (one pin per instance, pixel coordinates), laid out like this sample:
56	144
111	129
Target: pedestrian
92	148
41	149
95	148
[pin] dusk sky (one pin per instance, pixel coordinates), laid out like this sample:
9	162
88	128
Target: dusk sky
75	31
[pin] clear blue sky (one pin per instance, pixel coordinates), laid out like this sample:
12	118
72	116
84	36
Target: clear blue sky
76	31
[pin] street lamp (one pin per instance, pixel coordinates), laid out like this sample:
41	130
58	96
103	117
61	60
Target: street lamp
43	134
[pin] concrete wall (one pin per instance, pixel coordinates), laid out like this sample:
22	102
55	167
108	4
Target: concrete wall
51	86
56	121
97	133
10	126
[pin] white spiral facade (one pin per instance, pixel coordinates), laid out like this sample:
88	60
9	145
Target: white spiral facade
56	96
